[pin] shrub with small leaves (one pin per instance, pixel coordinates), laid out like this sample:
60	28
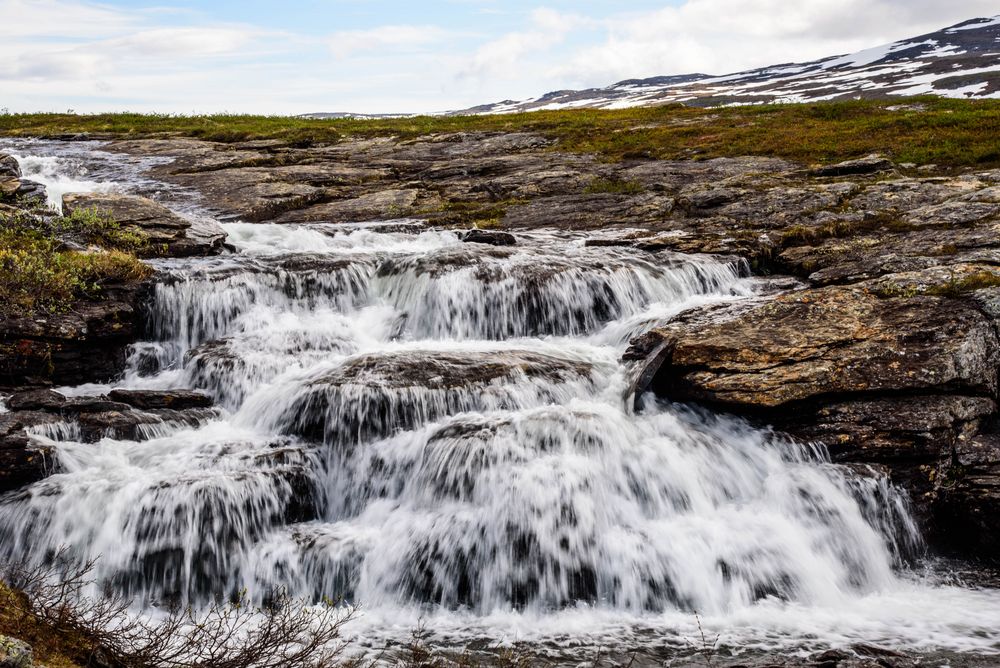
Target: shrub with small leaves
39	274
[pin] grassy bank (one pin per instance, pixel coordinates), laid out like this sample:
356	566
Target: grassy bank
40	272
949	133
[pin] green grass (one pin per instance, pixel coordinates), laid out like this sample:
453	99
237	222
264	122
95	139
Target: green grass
613	187
965	284
949	133
40	274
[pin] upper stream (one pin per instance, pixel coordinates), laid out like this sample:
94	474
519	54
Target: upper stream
440	432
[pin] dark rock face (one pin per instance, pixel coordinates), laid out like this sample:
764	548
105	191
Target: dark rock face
169	235
21	463
87	344
969	495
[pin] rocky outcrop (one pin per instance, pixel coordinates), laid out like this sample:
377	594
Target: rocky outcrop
86	344
886	352
123	414
830	342
13	187
168	234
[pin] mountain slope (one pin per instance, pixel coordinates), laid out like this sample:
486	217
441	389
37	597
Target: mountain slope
962	61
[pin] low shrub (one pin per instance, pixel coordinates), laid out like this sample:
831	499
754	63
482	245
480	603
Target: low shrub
40	274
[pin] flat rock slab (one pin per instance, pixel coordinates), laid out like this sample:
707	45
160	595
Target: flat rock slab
175	399
169	234
827	342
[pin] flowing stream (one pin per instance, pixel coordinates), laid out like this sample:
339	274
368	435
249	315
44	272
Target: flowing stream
439	432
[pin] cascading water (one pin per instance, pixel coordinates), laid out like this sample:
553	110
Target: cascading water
439	432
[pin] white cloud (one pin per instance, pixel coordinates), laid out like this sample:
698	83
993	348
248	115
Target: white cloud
56	54
723	36
60	18
503	57
351	42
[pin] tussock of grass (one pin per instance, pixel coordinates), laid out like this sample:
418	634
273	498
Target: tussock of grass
949	133
798	235
38	274
482	215
613	186
965	284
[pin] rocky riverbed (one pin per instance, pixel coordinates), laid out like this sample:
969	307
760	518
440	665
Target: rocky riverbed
885	350
874	327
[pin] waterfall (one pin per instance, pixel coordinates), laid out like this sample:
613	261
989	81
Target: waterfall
433	429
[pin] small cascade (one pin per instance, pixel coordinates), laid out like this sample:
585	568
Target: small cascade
431	428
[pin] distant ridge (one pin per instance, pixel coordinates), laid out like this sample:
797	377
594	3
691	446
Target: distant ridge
962	61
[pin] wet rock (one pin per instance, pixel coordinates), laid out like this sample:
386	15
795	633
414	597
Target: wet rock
96	404
138	425
390	203
169	235
829	342
488	237
86	344
968	490
36	400
372	396
21	461
175	399
868	165
9	169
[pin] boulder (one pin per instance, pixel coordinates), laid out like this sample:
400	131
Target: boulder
488	237
36	400
829	342
868	165
9	169
169	234
17	188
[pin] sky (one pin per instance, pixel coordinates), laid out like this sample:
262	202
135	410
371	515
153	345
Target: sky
399	56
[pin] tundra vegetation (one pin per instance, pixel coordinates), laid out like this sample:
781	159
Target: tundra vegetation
923	130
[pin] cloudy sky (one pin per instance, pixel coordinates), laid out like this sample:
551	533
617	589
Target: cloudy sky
299	56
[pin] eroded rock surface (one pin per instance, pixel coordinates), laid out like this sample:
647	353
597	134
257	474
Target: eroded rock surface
168	234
